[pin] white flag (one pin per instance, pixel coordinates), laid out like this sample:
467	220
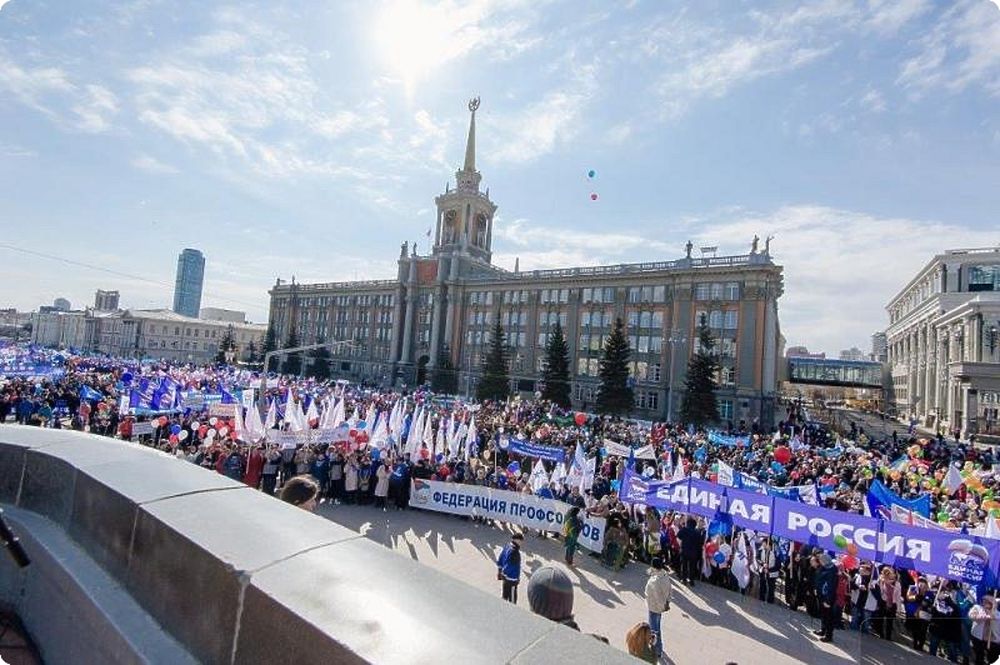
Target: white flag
725	474
953	480
254	427
312	414
539	478
272	415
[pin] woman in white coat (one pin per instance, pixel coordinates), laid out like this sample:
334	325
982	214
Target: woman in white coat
351	479
382	485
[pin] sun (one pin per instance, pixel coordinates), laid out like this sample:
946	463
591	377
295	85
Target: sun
414	39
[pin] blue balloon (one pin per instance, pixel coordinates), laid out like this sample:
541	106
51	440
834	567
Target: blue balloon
591	173
720	558
127	378
175	429
615	484
376	454
361	425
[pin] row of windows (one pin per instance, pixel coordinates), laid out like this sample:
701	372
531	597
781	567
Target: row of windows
717	291
383	300
719	319
480	337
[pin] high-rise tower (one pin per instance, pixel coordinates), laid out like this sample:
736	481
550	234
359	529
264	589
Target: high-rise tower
190	278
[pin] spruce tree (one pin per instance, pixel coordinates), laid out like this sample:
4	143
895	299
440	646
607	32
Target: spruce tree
319	362
495	383
251	356
614	395
699	406
555	372
293	361
270	344
445	377
226	345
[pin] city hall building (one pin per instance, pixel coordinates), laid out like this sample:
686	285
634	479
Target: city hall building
445	303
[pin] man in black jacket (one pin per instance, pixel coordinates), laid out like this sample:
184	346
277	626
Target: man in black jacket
826	593
692	542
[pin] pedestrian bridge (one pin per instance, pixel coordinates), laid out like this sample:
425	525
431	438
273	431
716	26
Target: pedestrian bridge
137	556
831	372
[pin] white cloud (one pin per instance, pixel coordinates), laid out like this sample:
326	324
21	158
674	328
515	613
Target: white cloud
888	16
49	90
840	267
13	150
153	165
960	51
873	101
95	109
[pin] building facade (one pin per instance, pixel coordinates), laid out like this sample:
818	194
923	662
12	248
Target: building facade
189	282
220	314
942	339
880	347
106	301
443	305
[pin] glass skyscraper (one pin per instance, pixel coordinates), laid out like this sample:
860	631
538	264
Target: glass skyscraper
190	277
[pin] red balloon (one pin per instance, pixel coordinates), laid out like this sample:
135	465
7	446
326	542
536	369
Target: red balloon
202	431
580	419
850	562
711	548
782	455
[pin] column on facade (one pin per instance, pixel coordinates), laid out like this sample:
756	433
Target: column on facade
411	296
921	372
439	295
397	318
930	373
452	302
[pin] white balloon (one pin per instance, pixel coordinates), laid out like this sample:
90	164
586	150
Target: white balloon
195	424
224	431
212	421
211	433
183	435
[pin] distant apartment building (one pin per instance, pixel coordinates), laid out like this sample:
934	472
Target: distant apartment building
106	301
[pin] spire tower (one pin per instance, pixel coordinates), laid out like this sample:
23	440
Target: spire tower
470	144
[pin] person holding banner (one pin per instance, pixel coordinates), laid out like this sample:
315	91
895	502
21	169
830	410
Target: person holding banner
985	631
572	525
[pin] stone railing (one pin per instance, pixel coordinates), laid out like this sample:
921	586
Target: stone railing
141	557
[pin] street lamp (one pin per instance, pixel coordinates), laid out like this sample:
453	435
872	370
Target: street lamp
676	338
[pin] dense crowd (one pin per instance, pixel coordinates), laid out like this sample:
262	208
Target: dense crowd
94	395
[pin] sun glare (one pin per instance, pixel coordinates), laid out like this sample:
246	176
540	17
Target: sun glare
413	39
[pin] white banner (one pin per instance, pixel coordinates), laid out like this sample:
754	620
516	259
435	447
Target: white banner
621	450
142	429
525	510
222	410
331	435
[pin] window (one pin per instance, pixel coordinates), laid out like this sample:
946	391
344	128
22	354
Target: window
609	294
634	294
655	344
659	293
716	291
654	372
657	321
732	291
726	409
643	346
564	295
715	319
587	295
645	319
702	291
633	319
730	319
585	320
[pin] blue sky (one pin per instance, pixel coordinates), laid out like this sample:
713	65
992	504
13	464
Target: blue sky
310	138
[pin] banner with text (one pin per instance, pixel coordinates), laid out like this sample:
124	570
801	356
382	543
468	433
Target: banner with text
529	449
524	510
968	558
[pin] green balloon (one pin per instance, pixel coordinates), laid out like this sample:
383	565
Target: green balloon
840	541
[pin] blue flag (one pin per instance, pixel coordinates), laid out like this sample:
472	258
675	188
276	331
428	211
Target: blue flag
89	394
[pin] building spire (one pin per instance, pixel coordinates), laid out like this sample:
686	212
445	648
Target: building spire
470	145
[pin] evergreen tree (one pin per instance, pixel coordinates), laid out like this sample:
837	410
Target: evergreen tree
270	344
445	377
699	406
556	369
614	395
319	362
495	383
293	361
226	345
251	356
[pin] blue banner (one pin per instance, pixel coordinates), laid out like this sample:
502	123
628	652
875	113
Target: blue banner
725	440
528	449
970	559
880	495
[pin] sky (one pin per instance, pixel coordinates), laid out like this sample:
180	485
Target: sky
310	138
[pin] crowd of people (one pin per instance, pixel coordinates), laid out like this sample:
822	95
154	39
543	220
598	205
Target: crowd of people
939	616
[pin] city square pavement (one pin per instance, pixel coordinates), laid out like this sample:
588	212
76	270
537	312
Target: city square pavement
705	625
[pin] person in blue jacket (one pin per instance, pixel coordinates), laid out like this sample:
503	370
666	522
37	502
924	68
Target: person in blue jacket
509	568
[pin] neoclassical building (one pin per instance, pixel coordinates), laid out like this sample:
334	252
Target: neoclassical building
943	345
444	304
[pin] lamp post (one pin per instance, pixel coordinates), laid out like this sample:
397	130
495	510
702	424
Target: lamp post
676	338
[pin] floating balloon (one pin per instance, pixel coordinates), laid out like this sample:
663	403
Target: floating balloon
720	558
195	424
852	549
580	419
782	454
211	433
850	562
591	173
183	435
127	378
175	429
224	431
212	421
840	541
711	548
593	196
376	454
361	425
